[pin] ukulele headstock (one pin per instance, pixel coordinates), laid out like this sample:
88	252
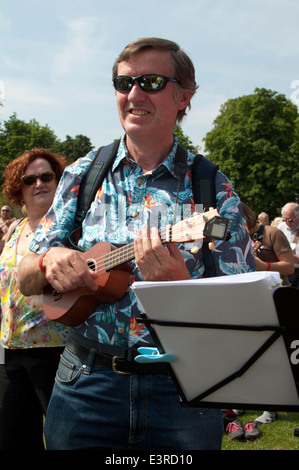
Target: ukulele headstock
206	225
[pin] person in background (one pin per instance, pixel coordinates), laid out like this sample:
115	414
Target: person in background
32	345
263	218
102	398
271	248
276	221
5	221
272	253
290	227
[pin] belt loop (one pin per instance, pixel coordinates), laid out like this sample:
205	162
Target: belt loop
130	355
90	358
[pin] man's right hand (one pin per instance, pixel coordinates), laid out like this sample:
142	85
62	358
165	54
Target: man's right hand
65	270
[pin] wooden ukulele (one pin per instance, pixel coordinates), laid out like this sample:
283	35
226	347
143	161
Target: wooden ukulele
114	272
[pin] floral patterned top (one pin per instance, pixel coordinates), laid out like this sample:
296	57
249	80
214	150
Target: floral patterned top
23	323
128	199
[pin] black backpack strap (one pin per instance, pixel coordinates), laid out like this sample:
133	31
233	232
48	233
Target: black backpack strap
180	166
204	192
203	182
90	184
93	179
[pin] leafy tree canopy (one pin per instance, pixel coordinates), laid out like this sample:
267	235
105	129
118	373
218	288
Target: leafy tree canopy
73	148
16	136
255	142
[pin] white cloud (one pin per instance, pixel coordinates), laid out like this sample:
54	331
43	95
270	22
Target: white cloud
79	48
22	93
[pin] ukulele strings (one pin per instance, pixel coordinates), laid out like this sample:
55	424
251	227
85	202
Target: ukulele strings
126	253
118	256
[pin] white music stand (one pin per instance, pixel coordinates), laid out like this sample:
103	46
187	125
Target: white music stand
233	348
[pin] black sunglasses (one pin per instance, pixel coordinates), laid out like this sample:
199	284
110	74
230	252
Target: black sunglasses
45	177
288	220
149	82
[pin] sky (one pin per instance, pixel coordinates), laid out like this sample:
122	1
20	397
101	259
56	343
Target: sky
56	57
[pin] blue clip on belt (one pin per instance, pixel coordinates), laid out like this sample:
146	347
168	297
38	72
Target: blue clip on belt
152	355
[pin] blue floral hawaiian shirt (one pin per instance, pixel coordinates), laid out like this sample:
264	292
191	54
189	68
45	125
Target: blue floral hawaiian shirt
128	199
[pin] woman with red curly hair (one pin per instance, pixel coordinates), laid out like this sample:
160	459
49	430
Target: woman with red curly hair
32	344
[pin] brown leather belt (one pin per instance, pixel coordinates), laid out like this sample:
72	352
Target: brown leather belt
118	364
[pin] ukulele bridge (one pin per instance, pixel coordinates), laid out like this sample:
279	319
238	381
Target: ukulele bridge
56	295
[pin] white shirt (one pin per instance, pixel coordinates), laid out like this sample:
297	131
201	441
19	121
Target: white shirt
290	234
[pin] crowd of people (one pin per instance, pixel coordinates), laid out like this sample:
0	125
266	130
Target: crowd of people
276	248
275	244
101	398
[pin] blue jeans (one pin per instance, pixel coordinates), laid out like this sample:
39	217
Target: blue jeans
94	408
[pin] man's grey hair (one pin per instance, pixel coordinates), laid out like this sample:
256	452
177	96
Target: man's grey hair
291	205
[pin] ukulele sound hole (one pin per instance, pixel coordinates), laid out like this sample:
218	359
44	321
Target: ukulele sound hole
91	264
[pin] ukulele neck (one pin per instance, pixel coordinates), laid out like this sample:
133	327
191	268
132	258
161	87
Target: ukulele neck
126	253
187	230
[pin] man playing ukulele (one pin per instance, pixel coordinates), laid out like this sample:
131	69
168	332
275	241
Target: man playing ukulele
102	398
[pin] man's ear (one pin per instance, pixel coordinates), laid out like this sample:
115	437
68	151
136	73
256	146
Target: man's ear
184	99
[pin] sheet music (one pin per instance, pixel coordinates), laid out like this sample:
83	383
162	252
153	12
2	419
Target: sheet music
207	356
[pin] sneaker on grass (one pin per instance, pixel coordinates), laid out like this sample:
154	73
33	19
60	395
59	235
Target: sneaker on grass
251	431
267	417
236	430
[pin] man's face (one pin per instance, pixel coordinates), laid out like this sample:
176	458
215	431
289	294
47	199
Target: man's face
288	215
5	213
150	115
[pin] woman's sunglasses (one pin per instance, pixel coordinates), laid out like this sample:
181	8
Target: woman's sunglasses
45	177
149	82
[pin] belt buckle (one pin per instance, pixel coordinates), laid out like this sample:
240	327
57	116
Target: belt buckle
114	359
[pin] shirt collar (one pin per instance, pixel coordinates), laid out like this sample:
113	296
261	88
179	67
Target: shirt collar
124	154
290	230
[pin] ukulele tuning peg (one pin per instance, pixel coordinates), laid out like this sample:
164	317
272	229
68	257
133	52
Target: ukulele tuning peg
195	248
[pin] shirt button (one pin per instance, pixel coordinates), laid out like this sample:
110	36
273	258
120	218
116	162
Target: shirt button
121	330
135	215
140	180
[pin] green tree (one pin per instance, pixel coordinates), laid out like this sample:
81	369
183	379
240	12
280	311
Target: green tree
255	142
16	136
74	147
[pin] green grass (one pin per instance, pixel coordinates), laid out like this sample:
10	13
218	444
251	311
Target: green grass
278	435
